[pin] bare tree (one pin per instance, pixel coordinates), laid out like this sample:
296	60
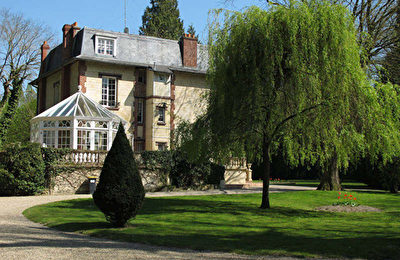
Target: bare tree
20	39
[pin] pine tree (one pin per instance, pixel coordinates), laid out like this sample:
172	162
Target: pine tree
192	31
162	20
120	193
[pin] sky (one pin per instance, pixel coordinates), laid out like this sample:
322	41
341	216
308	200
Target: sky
109	15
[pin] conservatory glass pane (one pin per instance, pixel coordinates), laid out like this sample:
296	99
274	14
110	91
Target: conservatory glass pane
100	140
83	140
93	109
48	124
83	108
35	132
69	111
101	124
115	125
64	123
82	123
49	138
64	139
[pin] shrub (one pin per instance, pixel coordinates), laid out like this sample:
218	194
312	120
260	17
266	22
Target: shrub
187	174
120	193
21	170
378	175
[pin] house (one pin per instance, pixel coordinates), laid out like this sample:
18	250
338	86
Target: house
148	83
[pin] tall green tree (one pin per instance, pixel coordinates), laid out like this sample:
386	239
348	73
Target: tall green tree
391	61
162	20
287	79
19	129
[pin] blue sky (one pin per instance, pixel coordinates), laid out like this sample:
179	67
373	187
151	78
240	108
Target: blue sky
108	15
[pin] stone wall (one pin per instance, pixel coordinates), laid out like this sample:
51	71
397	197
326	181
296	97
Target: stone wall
76	170
77	167
75	180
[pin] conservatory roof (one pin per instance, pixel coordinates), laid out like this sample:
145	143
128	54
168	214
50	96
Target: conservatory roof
80	106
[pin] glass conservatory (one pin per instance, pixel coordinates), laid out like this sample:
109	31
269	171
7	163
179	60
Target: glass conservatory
77	122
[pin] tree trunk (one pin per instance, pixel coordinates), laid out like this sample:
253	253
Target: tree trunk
4	99
266	175
10	108
330	179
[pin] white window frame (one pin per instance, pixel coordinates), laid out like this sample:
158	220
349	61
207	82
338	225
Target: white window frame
106	38
106	102
140	111
159	108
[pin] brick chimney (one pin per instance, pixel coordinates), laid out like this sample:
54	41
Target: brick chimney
189	50
44	50
69	32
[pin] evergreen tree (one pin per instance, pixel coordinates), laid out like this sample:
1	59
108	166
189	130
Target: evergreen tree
120	193
192	31
162	20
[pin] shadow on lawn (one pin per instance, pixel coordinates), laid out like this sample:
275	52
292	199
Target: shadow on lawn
164	206
269	240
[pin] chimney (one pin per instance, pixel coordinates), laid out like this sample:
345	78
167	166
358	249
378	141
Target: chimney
69	32
44	50
189	50
75	29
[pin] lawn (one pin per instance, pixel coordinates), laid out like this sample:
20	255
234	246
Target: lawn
234	223
314	183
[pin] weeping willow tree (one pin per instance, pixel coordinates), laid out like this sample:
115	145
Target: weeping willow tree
288	80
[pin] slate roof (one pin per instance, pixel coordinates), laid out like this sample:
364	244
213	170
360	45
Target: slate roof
135	50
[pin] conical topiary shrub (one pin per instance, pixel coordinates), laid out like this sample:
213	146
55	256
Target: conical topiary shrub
120	193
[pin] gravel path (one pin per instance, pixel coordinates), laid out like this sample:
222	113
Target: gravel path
23	239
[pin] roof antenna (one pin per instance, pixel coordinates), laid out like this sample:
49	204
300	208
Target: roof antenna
126	29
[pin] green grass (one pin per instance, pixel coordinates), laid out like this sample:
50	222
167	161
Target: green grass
234	223
314	183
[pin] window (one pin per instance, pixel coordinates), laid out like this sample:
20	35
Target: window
49	124
109	92
140	111
83	140
162	146
64	139
139	146
56	92
105	46
161	77
64	123
82	123
49	138
100	140
161	114
142	76
115	125
101	124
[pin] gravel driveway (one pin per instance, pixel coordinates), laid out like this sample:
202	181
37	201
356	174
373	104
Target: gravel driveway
23	239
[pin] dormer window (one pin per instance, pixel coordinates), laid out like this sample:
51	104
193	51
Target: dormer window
105	46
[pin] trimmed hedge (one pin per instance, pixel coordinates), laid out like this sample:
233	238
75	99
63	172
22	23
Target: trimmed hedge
22	170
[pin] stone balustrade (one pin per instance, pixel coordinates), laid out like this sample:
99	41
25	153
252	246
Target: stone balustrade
85	157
